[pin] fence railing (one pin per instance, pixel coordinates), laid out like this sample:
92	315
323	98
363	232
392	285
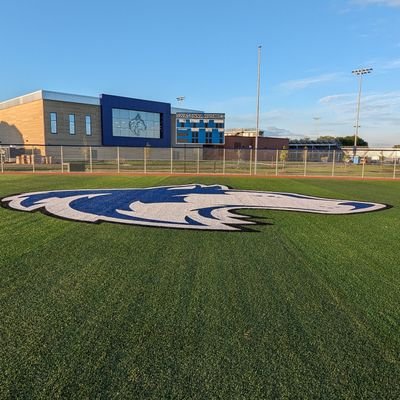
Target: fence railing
90	159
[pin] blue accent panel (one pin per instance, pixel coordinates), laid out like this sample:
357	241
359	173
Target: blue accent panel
108	102
201	123
202	135
215	136
211	123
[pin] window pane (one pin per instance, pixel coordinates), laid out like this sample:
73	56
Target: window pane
53	122
88	123
71	124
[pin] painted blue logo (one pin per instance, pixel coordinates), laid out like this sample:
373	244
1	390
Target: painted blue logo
137	125
202	207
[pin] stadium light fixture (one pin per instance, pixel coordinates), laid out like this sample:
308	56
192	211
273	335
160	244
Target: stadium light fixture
360	73
258	110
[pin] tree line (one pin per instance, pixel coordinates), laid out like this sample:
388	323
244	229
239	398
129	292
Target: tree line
346	140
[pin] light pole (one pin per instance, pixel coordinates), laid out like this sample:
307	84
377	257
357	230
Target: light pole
258	110
359	72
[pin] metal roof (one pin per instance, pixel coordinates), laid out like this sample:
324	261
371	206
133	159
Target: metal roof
49	95
69	98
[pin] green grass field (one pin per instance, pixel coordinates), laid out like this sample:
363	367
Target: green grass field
308	307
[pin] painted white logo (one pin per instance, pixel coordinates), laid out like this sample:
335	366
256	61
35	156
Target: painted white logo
202	207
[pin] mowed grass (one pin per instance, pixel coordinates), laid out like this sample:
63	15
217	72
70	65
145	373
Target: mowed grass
308	307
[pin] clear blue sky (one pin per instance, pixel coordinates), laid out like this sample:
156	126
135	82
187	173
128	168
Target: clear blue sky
207	51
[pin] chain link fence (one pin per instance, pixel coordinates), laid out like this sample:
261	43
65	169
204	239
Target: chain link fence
68	159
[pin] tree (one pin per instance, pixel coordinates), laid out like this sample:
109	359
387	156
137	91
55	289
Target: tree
326	138
283	155
396	146
346	140
349	141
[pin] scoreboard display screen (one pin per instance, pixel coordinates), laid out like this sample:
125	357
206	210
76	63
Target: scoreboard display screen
202	128
136	124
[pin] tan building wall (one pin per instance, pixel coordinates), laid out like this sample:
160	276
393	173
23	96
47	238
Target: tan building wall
29	124
22	124
63	136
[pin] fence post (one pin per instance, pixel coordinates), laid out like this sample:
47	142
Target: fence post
2	156
250	160
172	160
33	159
276	162
144	160
118	161
90	159
394	168
305	162
333	162
62	159
198	160
223	162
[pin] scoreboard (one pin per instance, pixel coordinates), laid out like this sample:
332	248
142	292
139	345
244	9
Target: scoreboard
202	128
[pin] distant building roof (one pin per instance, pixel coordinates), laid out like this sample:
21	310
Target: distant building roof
243	132
316	143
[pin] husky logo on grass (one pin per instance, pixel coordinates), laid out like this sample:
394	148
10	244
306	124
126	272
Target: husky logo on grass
203	207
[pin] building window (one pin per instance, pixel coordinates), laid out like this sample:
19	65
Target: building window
195	137
88	125
208	137
53	122
72	124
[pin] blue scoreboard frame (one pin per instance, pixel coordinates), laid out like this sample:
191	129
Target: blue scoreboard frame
109	102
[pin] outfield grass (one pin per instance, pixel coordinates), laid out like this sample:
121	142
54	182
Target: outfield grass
305	308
